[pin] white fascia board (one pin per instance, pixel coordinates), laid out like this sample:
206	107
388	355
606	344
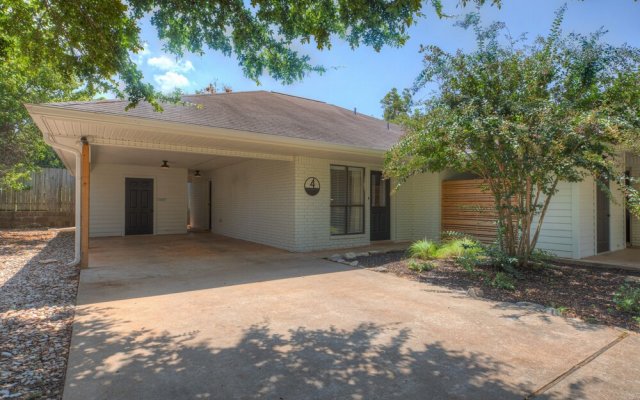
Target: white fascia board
156	126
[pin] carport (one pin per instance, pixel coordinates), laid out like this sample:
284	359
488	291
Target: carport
235	164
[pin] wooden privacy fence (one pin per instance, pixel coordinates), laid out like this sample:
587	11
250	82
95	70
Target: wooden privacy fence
49	201
466	208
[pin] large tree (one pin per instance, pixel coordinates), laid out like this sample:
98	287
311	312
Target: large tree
396	105
51	48
21	146
93	40
524	116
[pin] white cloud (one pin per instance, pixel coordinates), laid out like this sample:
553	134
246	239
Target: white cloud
142	54
165	63
171	80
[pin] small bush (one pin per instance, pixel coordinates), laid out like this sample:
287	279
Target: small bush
503	281
421	266
427	250
627	299
423	249
468	261
450	249
503	261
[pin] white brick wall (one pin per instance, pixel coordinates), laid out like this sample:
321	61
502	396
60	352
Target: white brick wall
312	213
108	197
415	207
253	200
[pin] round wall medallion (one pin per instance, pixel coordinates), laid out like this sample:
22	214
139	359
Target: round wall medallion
312	186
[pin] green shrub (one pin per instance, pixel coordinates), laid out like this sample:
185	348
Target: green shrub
421	266
423	249
503	281
468	261
627	299
503	261
427	250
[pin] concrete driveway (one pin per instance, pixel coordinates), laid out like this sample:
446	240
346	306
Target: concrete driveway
206	317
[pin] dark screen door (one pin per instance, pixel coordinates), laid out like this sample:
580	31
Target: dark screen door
380	210
138	206
602	219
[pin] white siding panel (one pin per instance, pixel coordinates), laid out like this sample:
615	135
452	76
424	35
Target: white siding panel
633	165
585	229
557	234
108	197
254	200
198	200
617	219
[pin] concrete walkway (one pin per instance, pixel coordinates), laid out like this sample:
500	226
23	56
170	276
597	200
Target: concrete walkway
205	317
628	258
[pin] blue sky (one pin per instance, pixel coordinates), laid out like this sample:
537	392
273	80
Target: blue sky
362	77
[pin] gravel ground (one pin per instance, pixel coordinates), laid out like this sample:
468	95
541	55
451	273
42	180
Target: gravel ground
573	291
37	301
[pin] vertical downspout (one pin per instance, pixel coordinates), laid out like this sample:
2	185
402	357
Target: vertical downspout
78	193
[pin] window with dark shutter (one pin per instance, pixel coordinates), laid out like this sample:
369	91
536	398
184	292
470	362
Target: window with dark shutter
347	200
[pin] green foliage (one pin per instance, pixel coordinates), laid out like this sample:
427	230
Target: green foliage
458	248
420	266
93	41
423	249
427	250
627	299
468	261
524	116
395	105
22	149
503	281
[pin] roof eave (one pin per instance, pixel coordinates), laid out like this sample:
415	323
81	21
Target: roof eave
37	111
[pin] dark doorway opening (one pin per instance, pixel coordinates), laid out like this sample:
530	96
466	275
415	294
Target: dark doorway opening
380	207
138	206
602	218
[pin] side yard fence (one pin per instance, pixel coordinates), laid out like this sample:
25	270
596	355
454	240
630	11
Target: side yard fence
49	201
466	208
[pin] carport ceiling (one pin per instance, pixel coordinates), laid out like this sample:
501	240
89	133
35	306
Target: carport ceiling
153	158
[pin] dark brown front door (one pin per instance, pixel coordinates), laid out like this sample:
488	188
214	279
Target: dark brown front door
602	219
138	206
380	210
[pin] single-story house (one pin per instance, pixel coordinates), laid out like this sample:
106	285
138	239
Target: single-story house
276	169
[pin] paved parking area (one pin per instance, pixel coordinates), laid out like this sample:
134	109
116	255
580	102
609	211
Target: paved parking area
207	317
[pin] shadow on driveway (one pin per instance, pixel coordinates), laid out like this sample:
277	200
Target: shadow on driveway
368	362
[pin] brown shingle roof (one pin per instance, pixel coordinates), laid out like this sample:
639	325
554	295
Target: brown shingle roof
264	112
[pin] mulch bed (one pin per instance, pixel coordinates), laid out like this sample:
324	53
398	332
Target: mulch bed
585	293
37	302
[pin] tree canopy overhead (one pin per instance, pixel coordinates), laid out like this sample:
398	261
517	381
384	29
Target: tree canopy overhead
524	117
92	41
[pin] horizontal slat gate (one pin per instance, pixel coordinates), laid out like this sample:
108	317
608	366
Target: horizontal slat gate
466	208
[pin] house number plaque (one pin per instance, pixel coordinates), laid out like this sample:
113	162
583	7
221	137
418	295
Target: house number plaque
312	186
